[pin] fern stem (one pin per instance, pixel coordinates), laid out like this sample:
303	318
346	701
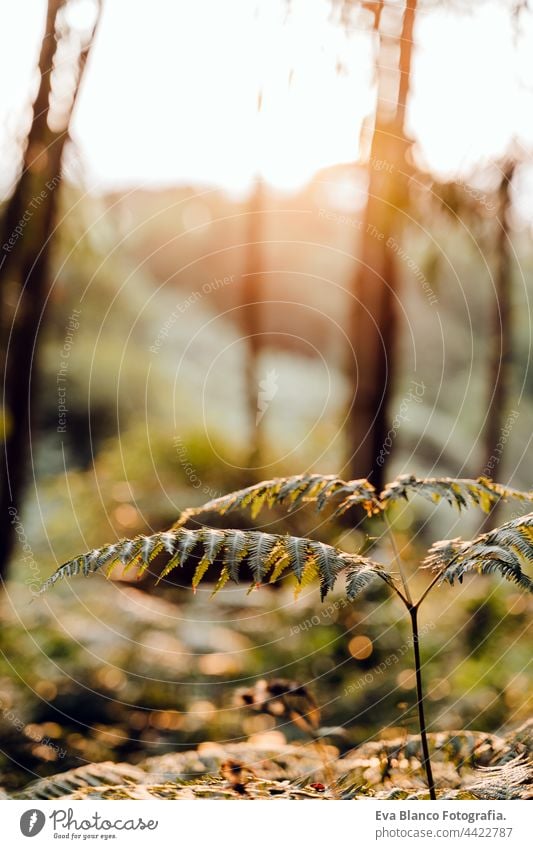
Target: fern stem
413	612
397	559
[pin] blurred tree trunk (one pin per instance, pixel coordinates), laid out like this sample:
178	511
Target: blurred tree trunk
26	238
251	315
251	320
373	329
500	354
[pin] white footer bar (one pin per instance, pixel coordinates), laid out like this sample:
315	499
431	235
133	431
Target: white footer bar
270	824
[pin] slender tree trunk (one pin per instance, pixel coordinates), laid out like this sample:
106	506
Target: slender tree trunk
501	340
25	272
251	319
36	145
375	288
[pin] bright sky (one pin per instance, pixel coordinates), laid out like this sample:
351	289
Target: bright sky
171	91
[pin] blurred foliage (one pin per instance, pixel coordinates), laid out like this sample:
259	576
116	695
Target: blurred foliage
108	672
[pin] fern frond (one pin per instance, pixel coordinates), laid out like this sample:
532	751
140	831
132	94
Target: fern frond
512	780
260	552
310	573
89	775
261	548
149	549
212	541
297	551
329	565
183	546
291	492
458	492
234	552
358	579
506	550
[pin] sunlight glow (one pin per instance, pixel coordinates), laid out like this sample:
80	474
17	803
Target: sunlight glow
172	90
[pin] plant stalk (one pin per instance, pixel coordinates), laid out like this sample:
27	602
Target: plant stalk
398	559
413	612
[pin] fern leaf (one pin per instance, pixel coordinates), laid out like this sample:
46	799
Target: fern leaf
281	563
150	547
290	492
321	488
306	558
358	579
458	492
63	784
510	780
235	550
129	552
310	573
261	547
185	543
505	550
363	499
212	541
329	564
297	550
83	563
222	581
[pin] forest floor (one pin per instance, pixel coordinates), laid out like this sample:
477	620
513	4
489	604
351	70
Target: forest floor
466	765
110	692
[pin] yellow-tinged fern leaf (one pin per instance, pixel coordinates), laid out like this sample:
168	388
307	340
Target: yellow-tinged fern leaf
222	581
234	552
290	492
212	541
150	547
330	564
185	542
310	573
458	492
506	550
260	552
281	563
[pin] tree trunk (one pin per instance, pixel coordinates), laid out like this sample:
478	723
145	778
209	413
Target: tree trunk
501	341
251	322
373	328
27	232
